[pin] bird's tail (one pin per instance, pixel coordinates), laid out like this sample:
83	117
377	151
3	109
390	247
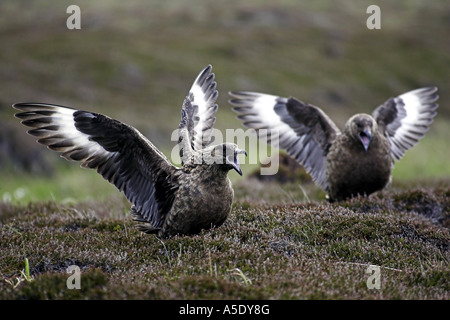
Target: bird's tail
143	225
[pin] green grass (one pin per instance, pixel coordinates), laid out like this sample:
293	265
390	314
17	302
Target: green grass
427	160
71	184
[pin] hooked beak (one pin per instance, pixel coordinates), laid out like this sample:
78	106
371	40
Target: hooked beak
235	162
365	137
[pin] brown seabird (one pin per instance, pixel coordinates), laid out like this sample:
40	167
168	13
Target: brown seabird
356	161
167	200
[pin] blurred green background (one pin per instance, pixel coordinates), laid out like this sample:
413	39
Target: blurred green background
136	60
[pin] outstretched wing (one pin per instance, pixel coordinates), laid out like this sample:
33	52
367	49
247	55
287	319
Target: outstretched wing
303	130
120	153
404	120
199	109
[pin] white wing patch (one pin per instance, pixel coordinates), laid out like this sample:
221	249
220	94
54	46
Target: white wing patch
416	110
203	96
199	100
258	113
55	127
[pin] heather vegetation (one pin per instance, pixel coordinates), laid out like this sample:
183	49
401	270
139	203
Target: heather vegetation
269	250
135	62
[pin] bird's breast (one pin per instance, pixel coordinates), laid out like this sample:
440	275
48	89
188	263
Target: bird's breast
351	170
201	202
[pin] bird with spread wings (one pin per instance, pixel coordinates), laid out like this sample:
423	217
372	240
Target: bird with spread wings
166	200
357	160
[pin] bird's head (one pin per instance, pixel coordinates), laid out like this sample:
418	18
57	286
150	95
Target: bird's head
362	127
225	156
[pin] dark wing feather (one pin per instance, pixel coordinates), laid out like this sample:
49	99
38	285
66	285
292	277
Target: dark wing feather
120	153
405	119
199	109
303	130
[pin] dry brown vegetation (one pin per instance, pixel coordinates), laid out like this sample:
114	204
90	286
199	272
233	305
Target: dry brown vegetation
304	250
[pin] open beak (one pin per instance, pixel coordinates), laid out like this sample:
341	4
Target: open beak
365	137
235	162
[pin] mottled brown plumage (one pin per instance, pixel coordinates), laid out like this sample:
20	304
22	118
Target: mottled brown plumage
357	161
166	200
353	170
202	201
